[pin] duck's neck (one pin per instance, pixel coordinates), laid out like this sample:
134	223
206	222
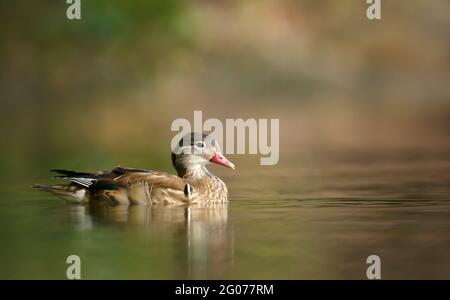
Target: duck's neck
196	172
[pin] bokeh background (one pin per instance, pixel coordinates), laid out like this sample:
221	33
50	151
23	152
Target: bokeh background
109	86
350	93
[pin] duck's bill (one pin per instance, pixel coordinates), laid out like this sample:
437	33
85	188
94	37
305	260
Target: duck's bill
219	159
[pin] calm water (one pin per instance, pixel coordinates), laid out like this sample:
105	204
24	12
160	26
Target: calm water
309	220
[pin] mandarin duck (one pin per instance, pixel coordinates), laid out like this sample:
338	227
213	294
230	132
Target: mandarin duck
194	183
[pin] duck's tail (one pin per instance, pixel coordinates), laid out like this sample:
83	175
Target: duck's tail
69	192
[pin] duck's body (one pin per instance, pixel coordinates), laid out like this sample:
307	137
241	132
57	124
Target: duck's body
194	183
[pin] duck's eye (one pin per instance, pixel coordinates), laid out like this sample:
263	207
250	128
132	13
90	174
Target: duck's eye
200	144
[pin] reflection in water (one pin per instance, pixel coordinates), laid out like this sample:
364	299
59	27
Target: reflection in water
205	234
320	221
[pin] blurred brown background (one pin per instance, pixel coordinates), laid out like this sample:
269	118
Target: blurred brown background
104	90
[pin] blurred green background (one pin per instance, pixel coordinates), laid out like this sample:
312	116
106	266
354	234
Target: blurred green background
106	88
364	109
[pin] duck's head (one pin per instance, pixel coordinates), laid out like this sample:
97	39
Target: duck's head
196	150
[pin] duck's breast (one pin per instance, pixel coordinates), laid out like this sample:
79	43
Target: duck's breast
210	189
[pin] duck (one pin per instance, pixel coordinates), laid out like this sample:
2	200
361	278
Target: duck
193	184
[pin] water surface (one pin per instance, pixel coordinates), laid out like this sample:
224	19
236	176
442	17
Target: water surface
304	221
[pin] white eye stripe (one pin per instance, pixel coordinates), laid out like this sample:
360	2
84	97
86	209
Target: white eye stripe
191	149
200	144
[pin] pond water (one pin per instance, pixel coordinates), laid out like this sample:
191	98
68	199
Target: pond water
311	220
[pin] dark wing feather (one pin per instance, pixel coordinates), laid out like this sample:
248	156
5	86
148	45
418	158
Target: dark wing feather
122	170
80	178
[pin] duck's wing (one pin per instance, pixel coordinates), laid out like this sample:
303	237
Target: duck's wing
127	176
151	186
129	185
